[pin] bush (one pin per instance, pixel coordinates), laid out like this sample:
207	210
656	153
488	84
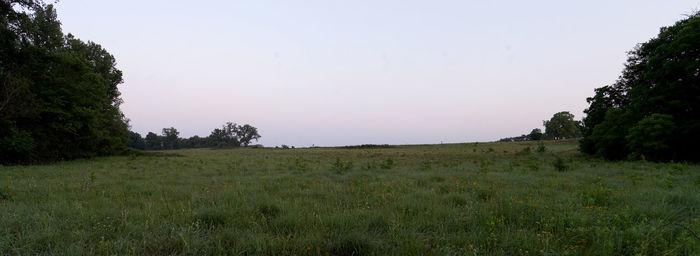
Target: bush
560	165
387	164
342	167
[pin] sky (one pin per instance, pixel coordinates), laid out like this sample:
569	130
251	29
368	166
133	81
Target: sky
331	73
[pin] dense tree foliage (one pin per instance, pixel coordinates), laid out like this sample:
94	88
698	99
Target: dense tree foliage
535	134
230	135
562	126
58	94
136	141
653	110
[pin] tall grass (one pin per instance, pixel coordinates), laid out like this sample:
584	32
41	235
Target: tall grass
451	199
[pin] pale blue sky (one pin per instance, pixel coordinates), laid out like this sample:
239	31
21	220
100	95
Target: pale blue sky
355	72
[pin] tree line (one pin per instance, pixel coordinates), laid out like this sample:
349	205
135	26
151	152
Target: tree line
561	126
59	99
230	135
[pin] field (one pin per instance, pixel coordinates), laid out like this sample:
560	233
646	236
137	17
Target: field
451	199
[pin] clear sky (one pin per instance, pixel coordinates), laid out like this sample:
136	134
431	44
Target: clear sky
356	72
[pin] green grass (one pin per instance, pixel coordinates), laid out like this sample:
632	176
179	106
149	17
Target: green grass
452	199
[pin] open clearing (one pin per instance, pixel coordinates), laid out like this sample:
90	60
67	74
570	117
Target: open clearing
452	199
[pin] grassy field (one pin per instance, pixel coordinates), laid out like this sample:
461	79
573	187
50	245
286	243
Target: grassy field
452	199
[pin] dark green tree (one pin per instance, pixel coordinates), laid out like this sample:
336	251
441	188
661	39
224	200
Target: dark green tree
246	134
136	141
535	134
170	138
562	126
225	137
153	141
659	90
59	97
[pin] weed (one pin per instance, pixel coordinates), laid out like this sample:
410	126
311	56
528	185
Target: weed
541	147
352	243
269	211
456	200
342	167
559	164
387	164
525	151
302	164
533	164
211	218
4	196
678	169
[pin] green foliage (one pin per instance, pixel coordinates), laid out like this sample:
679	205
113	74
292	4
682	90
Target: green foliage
535	134
231	135
136	141
655	101
651	136
541	148
387	164
59	98
562	126
342	167
560	164
170	138
609	137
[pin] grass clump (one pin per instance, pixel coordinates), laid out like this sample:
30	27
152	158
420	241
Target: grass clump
560	164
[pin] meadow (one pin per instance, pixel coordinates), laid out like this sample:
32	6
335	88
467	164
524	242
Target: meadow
516	198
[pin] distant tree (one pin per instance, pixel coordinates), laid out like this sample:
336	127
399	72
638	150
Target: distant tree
233	135
523	137
653	109
136	141
224	137
246	134
562	126
535	134
170	138
196	142
153	141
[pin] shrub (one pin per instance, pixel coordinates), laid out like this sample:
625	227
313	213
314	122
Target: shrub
342	167
560	165
387	164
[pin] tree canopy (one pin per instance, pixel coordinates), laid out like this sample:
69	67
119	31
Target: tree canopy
229	136
59	97
653	110
562	126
